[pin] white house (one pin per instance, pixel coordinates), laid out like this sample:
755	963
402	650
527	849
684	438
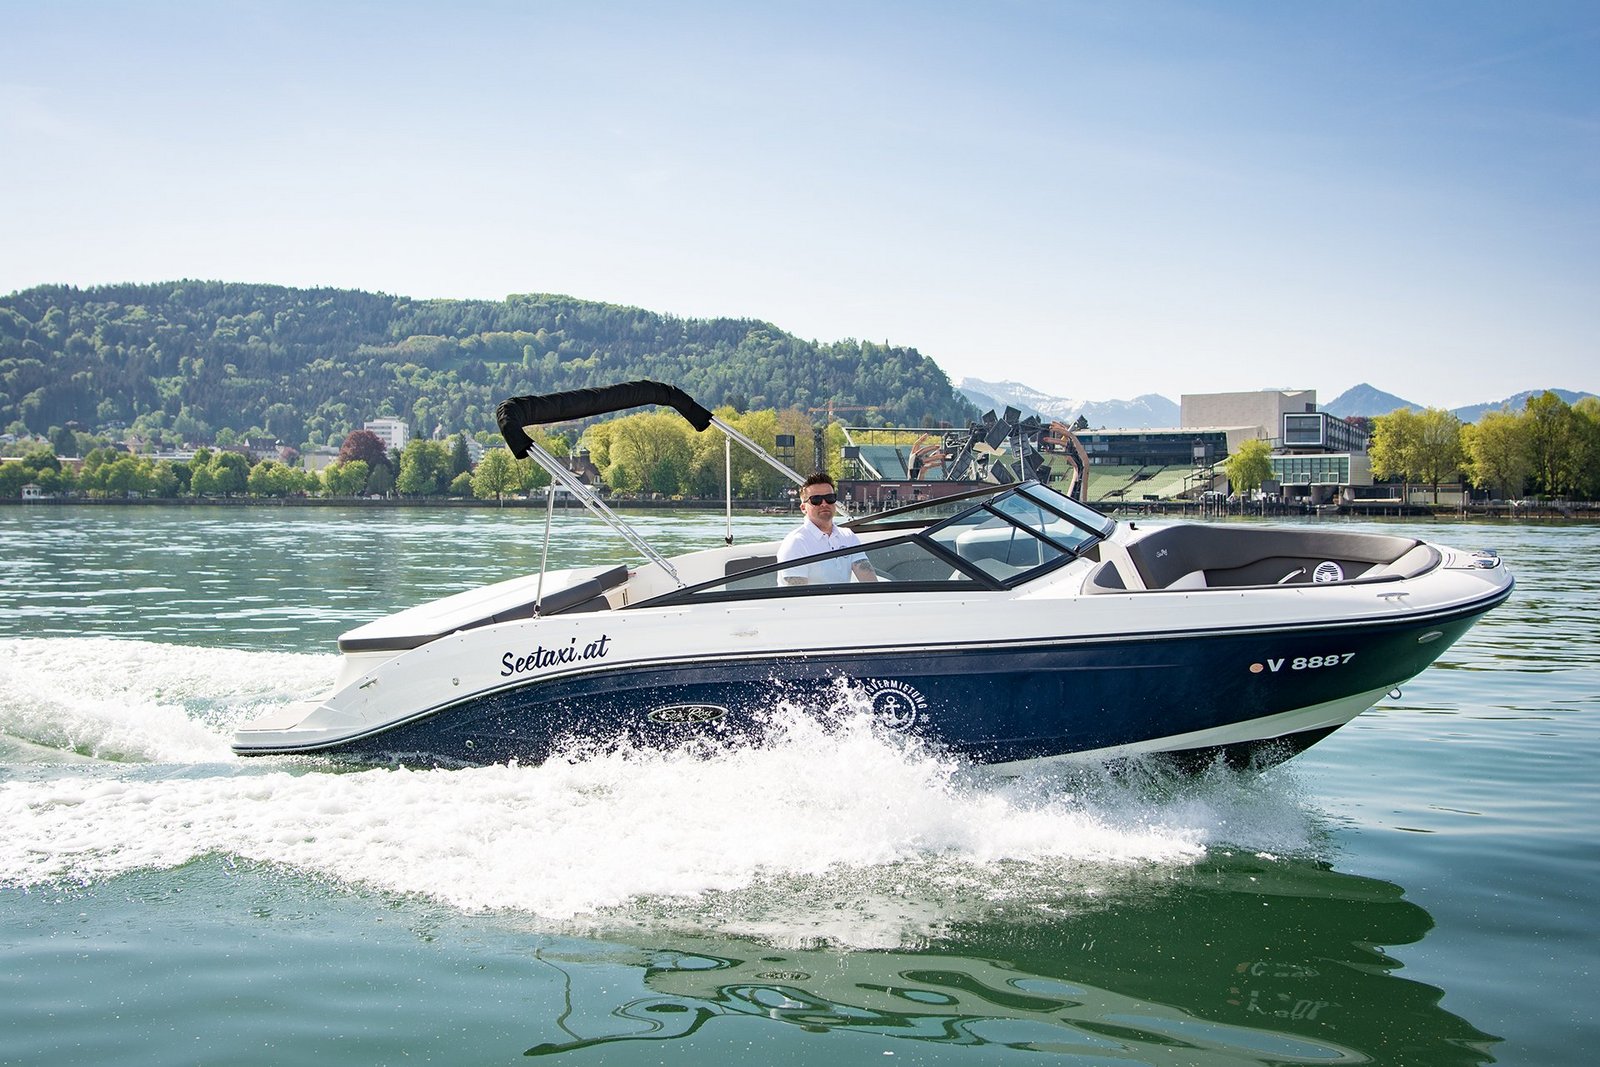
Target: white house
394	433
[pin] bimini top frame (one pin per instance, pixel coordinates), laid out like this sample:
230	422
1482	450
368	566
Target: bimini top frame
519	412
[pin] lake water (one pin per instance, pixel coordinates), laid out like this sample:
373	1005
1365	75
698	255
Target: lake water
1422	888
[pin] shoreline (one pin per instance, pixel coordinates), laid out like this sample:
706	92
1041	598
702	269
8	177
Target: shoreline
747	507
1584	511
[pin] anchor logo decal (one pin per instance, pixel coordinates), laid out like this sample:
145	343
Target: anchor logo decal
896	704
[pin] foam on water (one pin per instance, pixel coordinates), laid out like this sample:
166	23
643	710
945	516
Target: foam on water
830	829
141	701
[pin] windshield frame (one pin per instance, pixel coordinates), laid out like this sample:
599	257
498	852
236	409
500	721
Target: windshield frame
1042	497
987	507
717	590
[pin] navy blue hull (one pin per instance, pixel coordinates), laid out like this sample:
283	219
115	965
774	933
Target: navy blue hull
987	704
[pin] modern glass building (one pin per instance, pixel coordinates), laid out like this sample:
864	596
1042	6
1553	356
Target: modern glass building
1331	468
1319	431
1318	476
1155	448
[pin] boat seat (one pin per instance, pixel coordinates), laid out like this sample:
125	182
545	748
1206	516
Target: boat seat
922	569
1105	579
1192	580
1000	570
740	564
1117	572
1246	556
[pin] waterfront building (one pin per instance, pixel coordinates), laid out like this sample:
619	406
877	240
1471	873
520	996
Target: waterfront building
1319	431
319	458
260	448
1318	458
394	433
1262	409
1176	447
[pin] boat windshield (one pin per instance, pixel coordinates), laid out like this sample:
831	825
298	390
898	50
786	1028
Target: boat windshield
924	512
1021	531
1080	513
997	540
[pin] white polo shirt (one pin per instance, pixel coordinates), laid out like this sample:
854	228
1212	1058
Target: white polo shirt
808	540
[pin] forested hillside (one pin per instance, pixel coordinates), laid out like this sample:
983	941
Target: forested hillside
184	360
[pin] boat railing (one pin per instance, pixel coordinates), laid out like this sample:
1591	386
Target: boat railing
517	413
569	481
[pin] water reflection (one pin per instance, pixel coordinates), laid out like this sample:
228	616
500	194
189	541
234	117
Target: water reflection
1241	959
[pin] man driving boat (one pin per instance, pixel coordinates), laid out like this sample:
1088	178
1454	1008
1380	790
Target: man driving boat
817	535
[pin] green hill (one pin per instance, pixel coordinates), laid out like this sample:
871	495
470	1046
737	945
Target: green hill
188	359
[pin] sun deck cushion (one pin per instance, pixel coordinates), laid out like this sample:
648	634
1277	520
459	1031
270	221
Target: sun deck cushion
598	602
583	596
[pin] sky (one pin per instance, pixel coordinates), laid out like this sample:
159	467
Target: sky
1099	200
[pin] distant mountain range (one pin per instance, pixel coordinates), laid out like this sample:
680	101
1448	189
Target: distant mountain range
1152	411
1366	400
1142	412
182	361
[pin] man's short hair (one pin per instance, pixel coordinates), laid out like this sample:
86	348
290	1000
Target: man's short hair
819	478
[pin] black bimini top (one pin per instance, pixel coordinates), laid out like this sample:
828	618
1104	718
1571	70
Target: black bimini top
520	411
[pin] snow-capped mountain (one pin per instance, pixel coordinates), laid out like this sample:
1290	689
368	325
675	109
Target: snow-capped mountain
1149	411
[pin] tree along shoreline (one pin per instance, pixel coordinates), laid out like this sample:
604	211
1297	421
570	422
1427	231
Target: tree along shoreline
1495	511
563	503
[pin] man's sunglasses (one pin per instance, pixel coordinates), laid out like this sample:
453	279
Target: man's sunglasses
825	498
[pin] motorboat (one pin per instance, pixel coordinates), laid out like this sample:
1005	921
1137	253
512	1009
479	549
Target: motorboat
1008	623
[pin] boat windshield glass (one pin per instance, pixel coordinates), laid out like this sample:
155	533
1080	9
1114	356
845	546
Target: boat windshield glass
1019	532
1000	537
904	560
1079	513
995	545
